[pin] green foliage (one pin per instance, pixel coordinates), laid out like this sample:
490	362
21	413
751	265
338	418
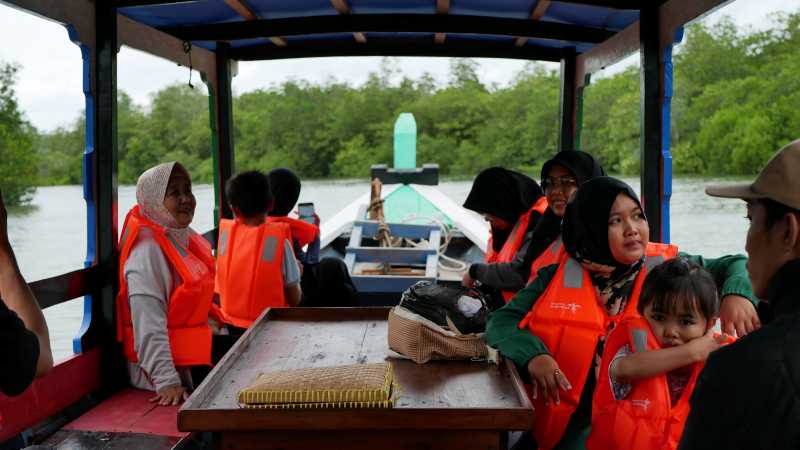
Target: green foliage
18	161
735	102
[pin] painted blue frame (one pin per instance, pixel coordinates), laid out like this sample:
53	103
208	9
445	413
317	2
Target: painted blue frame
88	193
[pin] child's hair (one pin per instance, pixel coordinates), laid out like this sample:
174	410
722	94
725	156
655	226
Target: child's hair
678	283
250	193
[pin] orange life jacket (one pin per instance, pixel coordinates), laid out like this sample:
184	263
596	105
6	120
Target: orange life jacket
552	255
514	241
249	269
302	232
570	322
189	304
645	419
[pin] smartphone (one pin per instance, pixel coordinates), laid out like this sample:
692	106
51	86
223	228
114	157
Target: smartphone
306	212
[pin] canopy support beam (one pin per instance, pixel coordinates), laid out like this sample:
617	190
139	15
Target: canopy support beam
566	135
221	112
651	97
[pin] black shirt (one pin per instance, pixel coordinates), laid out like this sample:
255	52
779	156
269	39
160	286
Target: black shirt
747	396
19	352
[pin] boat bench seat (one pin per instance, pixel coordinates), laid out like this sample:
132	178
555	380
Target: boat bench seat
125	420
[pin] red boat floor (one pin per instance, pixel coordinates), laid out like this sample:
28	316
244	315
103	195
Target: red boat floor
129	411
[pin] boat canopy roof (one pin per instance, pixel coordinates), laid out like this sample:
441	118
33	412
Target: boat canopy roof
278	29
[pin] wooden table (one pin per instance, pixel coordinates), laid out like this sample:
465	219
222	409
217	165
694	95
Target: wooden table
443	404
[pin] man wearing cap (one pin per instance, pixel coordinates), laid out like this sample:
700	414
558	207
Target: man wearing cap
748	395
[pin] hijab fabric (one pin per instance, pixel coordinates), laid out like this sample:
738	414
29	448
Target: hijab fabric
583	167
285	187
150	191
580	164
502	193
585	236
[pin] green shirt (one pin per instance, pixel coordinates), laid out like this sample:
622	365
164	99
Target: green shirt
521	346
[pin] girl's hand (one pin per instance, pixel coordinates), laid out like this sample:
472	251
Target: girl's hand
467	281
738	316
546	375
172	395
703	346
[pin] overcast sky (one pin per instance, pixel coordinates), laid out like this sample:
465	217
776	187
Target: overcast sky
49	82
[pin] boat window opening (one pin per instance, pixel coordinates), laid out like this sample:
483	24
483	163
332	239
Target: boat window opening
48	232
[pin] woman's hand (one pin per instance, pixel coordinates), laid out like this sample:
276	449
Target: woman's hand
172	395
701	347
738	316
546	375
467	281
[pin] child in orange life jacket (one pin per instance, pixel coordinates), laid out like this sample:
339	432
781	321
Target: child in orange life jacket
256	267
650	364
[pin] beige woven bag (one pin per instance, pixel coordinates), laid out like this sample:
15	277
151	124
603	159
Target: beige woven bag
421	340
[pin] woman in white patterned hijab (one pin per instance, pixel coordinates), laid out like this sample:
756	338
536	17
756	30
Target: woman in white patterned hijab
164	195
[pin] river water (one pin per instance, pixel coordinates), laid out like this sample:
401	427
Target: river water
49	237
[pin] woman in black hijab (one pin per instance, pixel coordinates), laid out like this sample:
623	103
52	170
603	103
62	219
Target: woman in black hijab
324	282
554	329
502	196
561	176
512	203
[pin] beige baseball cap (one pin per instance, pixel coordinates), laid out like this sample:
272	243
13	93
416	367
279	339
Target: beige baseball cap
779	180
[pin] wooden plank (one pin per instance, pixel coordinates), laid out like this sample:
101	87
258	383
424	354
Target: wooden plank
400	255
412	46
364	439
536	14
355	235
98	440
454	395
130	411
387	283
149	40
540	9
350	262
242	8
432	266
407	230
341	6
365	23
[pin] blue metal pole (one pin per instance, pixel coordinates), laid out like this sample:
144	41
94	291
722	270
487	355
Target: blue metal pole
88	192
666	108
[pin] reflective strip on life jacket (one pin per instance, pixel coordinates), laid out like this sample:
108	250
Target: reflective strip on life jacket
188	305
515	241
645	419
249	269
552	255
569	320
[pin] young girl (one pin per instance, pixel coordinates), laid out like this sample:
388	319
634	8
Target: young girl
166	274
555	328
650	365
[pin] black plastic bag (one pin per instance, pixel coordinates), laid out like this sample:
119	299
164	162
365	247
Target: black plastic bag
465	308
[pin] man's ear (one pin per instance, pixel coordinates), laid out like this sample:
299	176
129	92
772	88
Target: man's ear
791	235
